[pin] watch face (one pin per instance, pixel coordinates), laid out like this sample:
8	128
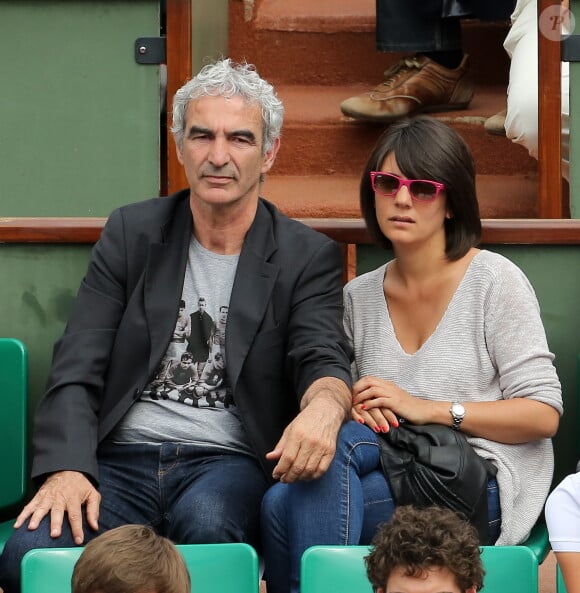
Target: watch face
458	410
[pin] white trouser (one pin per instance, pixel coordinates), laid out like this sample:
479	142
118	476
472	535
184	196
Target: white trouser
521	123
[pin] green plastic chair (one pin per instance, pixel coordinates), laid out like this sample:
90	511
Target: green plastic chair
538	542
560	586
509	568
13	396
341	569
214	568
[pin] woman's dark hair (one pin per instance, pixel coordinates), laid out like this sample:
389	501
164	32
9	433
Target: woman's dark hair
426	148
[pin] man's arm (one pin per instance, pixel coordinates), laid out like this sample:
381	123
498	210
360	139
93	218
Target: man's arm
307	446
65	430
318	358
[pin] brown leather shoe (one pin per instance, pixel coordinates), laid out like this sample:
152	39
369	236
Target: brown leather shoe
496	123
411	86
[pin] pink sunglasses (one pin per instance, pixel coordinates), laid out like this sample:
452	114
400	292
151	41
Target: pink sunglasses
421	190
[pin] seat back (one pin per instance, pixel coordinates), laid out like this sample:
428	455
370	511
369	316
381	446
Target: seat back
501	563
13	395
341	569
560	585
214	568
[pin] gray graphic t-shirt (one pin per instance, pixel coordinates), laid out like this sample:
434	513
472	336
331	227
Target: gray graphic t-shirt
189	400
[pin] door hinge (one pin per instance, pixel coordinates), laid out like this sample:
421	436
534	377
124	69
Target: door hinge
150	50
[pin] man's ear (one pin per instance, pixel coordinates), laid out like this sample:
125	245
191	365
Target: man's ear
178	153
270	156
471	590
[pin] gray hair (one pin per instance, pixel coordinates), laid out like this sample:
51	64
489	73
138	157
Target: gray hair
228	79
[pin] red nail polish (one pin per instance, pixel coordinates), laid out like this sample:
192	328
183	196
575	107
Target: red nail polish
377	429
385	428
361	421
363	407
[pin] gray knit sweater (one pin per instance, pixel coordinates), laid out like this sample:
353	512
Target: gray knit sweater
490	344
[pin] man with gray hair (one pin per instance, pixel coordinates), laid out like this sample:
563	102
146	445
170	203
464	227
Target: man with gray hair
106	452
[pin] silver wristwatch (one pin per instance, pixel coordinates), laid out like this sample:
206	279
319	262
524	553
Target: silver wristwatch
457	412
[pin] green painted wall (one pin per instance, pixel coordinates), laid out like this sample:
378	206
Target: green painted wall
554	271
39	284
79	118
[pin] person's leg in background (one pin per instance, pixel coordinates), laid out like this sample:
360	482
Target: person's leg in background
521	45
521	122
434	78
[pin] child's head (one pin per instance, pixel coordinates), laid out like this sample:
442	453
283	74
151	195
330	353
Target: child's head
428	550
130	559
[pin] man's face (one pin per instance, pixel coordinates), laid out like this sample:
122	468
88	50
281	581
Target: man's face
435	580
222	151
202	305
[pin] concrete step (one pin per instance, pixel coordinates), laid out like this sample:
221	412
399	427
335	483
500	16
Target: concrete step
333	42
320	52
328	16
336	196
317	139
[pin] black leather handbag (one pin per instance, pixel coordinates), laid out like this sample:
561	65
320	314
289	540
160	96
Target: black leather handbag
433	464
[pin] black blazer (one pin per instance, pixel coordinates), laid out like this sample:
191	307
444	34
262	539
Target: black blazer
284	328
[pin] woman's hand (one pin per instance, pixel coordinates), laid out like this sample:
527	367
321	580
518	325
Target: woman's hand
379	419
379	404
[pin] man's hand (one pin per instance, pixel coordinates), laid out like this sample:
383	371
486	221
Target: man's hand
307	446
63	492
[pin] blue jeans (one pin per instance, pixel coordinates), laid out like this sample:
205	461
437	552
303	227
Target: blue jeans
343	507
187	493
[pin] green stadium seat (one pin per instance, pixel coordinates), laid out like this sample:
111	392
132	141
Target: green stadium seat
13	403
503	563
538	542
214	568
560	586
341	569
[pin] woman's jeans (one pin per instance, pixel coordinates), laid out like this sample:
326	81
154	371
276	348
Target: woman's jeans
187	493
343	507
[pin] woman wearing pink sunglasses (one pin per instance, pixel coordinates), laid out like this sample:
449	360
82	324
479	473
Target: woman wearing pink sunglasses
443	333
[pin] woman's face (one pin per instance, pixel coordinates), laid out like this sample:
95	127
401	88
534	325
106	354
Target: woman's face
405	221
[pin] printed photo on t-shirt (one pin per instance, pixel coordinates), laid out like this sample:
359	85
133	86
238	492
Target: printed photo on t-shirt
193	370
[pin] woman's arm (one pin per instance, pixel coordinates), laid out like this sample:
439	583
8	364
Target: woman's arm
379	403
